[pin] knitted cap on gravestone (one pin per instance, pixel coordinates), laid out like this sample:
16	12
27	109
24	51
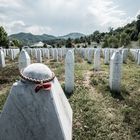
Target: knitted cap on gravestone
36	108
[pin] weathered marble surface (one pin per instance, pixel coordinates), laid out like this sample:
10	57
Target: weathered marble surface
124	55
47	53
69	72
56	54
138	58
39	56
24	60
2	59
106	56
97	58
90	55
27	115
115	72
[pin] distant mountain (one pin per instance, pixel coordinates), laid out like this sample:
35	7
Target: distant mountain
28	38
72	36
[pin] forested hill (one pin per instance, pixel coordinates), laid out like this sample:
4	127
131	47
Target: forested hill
28	38
122	36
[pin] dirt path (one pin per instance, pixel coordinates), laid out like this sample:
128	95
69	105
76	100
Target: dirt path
105	106
93	93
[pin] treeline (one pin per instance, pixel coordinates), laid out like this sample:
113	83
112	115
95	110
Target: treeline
119	37
114	38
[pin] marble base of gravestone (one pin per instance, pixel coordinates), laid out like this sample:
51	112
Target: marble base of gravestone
124	55
2	59
90	56
97	62
24	60
115	72
36	109
69	72
85	53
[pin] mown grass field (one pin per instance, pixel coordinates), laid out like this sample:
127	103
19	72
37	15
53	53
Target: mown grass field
97	114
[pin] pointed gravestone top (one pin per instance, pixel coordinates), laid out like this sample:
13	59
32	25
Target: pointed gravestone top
24	59
116	57
36	115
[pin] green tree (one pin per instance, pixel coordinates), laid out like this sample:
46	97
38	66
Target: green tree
3	37
110	29
45	45
139	39
124	39
17	43
113	42
105	44
97	36
138	24
69	43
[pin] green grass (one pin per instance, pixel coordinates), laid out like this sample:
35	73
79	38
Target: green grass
3	98
96	114
127	110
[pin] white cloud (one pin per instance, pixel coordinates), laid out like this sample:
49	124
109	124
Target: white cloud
107	13
37	30
60	16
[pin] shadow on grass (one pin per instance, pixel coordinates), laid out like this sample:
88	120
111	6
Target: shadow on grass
117	95
67	94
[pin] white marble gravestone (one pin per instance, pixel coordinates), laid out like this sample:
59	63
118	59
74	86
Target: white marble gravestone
69	72
90	56
60	53
106	56
24	60
136	55
2	59
138	58
115	72
111	52
39	56
47	54
27	115
35	53
55	54
124	55
85	53
97	62
12	54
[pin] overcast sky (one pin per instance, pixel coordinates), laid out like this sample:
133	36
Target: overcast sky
60	17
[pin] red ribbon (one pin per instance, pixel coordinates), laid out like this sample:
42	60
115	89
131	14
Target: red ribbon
46	86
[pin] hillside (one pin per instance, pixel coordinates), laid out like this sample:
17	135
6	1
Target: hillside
28	38
72	36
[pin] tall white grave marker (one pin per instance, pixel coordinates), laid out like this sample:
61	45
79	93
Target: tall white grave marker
115	72
24	60
97	62
69	72
2	59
